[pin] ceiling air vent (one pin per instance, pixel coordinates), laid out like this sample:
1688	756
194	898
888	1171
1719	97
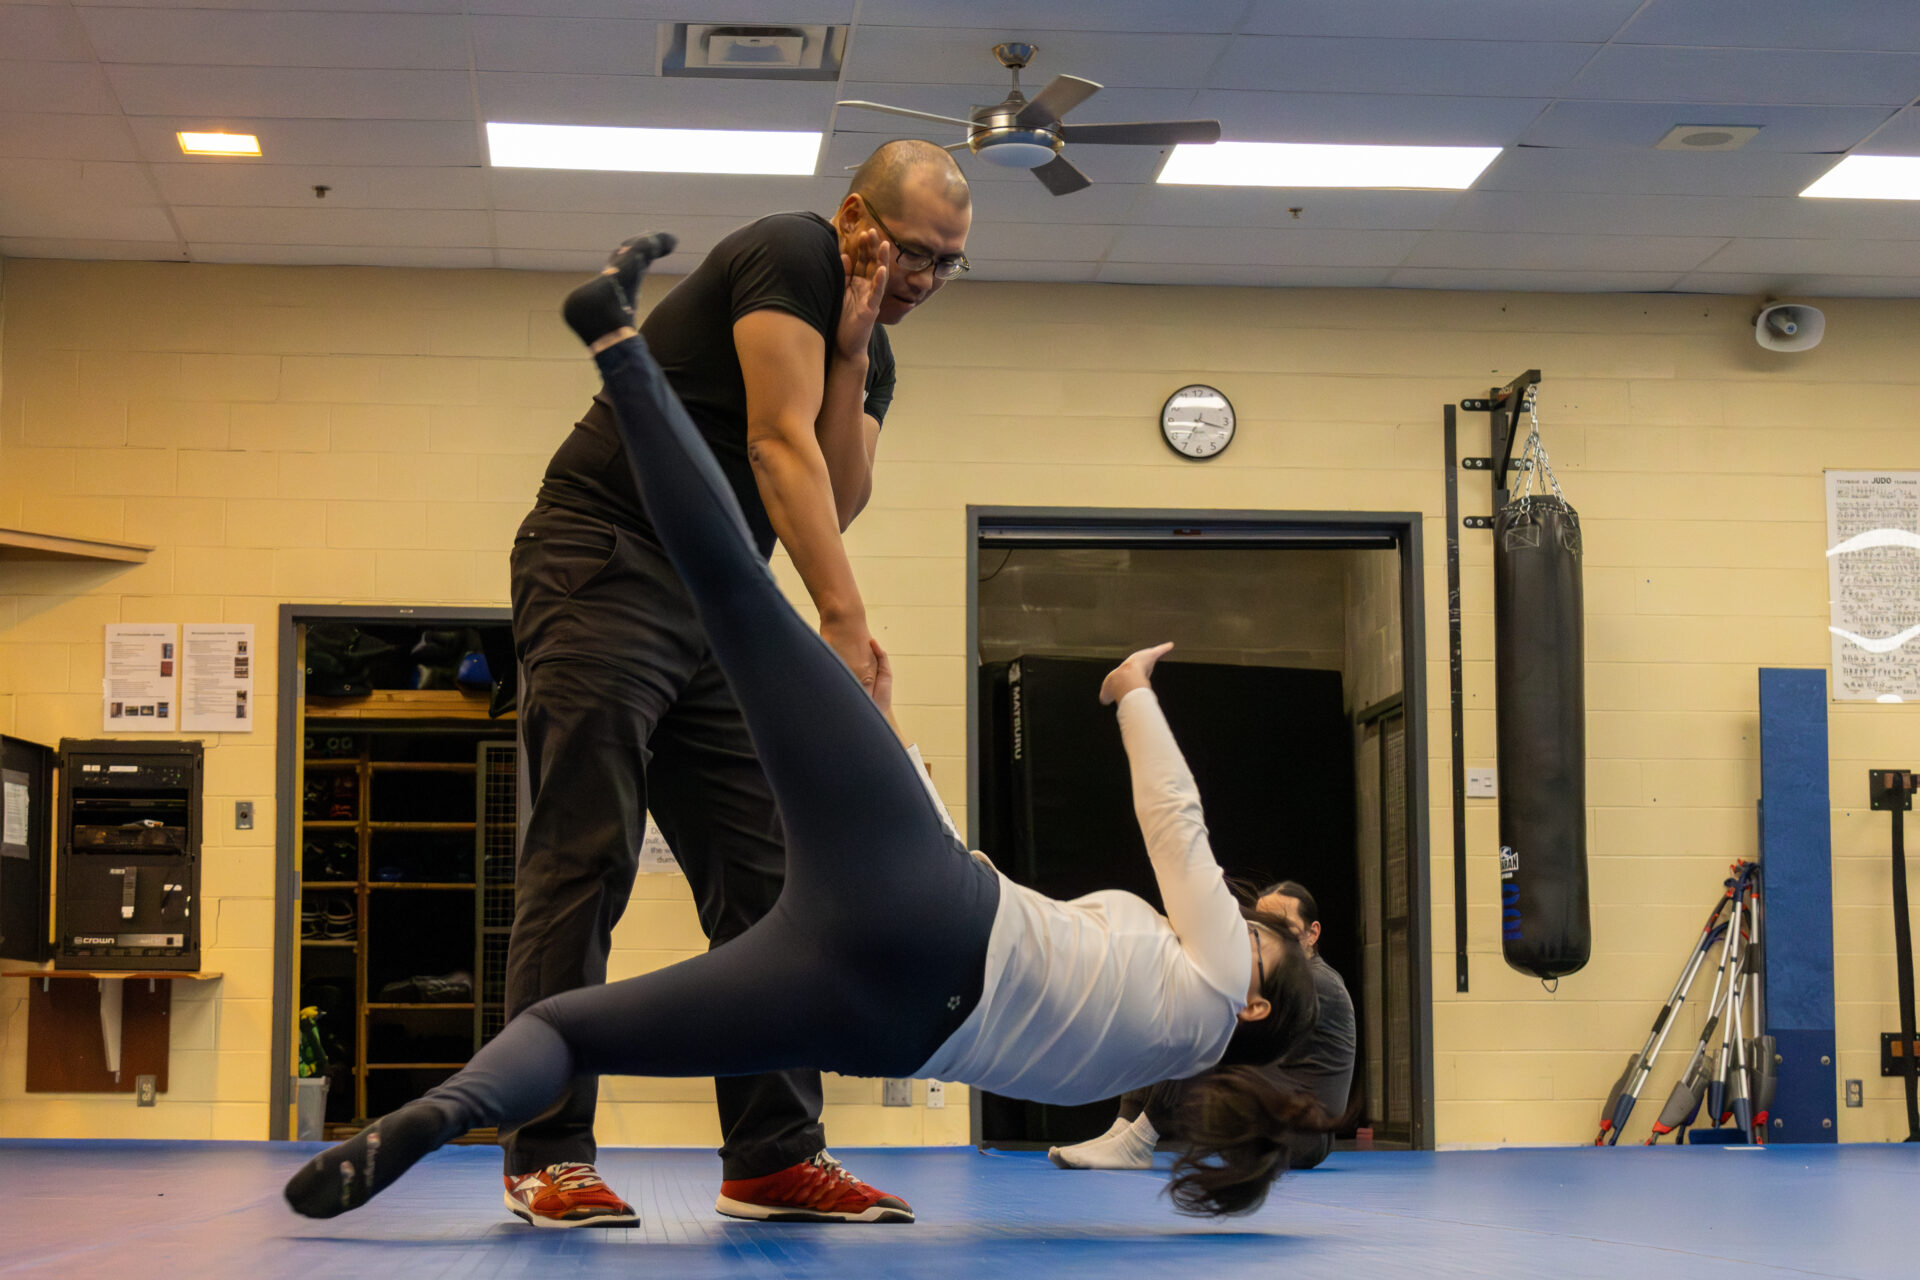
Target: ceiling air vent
1707	137
759	51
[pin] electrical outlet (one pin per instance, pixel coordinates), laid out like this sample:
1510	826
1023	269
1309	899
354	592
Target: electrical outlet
896	1093
936	1094
1855	1095
1480	784
243	815
145	1090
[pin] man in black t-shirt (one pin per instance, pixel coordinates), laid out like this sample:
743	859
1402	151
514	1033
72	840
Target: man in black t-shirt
774	344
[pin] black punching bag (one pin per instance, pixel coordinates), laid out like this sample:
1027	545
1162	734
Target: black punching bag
1539	667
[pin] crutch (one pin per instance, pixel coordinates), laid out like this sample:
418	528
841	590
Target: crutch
1729	1062
1626	1090
1684	1102
1766	1067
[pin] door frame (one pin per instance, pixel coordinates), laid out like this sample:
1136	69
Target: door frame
995	527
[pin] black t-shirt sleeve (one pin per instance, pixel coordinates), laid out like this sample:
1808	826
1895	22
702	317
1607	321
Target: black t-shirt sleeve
789	264
879	375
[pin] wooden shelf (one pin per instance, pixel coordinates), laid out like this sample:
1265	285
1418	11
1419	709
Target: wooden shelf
417	826
402	704
328	942
420	884
331	762
18	544
149	974
415	1066
424	1004
329	824
329	884
424	766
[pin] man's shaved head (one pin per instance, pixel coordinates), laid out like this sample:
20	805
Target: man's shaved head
884	176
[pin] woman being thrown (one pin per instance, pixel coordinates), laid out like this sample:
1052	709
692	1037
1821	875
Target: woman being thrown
892	951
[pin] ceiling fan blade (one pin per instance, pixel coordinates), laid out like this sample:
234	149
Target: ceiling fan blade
903	111
1151	133
1060	177
1062	94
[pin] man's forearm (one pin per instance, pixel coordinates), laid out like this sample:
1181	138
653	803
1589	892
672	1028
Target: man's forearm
841	429
798	493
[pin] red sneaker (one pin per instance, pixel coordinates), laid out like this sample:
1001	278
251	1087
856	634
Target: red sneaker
567	1195
816	1190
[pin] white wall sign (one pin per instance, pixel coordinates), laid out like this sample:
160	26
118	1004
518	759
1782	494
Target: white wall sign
1873	579
216	677
137	687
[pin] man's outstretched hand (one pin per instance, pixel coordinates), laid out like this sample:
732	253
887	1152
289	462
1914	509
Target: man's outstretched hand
1135	673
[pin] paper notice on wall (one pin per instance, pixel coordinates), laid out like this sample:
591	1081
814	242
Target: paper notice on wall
216	677
1873	580
16	796
655	857
137	689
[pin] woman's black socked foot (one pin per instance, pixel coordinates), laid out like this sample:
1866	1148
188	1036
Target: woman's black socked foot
605	303
348	1175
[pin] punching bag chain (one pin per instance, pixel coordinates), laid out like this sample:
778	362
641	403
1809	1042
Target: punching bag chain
1533	458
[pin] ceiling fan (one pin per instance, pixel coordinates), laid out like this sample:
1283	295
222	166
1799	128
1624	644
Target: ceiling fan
1019	133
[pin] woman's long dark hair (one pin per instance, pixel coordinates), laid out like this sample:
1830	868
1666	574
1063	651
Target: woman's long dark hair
1235	1118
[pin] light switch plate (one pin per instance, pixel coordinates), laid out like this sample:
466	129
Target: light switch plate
1480	783
936	1094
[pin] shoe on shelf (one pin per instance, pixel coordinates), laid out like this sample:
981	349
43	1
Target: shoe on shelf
567	1195
816	1190
339	918
310	918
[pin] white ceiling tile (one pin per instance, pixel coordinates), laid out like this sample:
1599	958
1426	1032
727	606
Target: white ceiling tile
321	6
1545	252
1287	247
1542	281
569	261
569	46
1103	202
53	137
1208	207
169	250
1798	285
75	87
1053	272
335	255
1639	125
436	228
1015	16
643	195
208	37
1321	65
946	55
1247	115
292	92
1721	173
1039	242
599	232
43	33
1652	73
1261	275
411	143
1604	214
1900	136
291	186
75	199
801	12
650	101
1503	20
1818	257
1777	24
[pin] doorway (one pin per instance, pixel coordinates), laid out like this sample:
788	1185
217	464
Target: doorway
1319	613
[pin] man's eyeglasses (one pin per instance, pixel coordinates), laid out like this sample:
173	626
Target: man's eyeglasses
945	266
1259	960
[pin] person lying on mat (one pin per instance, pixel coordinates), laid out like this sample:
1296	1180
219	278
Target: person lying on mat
891	951
1322	1065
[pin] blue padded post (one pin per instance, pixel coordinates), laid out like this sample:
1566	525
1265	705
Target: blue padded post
1796	869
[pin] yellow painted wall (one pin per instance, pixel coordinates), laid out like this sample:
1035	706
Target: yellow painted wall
346	435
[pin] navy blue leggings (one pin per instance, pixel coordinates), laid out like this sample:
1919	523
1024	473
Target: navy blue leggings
875	951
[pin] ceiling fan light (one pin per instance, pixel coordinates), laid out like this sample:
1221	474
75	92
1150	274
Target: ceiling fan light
1015	155
1308	164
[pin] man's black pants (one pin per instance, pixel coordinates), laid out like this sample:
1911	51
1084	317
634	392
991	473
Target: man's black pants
622	710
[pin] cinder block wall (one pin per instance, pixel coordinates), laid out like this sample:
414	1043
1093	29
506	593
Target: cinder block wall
372	436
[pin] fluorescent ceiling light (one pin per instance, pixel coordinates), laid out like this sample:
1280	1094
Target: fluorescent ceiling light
1307	164
219	144
580	146
1870	178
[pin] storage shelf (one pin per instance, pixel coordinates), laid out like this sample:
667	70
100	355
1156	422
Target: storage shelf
149	974
415	1066
18	544
329	884
424	766
425	1004
420	884
402	704
331	762
419	826
328	942
330	824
